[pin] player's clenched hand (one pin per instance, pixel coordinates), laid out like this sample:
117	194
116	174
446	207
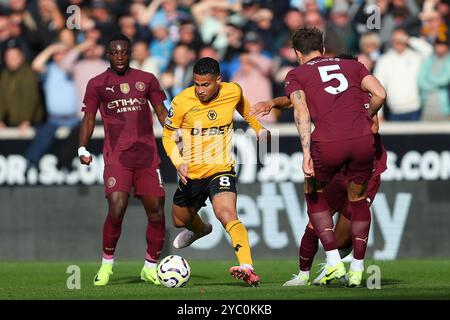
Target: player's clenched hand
308	166
183	172
86	160
261	108
84	155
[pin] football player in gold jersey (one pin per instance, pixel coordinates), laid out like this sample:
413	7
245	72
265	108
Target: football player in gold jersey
203	114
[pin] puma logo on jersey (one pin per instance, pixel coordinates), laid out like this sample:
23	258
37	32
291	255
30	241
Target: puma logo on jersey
236	248
110	89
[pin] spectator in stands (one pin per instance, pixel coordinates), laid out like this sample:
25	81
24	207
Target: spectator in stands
293	20
265	29
398	71
370	50
20	102
248	9
230	61
49	22
142	60
433	25
180	71
212	18
434	82
164	12
339	37
129	27
254	77
190	36
104	21
82	63
162	46
314	19
60	100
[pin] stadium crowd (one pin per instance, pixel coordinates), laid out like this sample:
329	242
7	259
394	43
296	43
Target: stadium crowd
49	52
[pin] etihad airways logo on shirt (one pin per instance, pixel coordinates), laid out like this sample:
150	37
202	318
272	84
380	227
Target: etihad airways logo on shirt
125	105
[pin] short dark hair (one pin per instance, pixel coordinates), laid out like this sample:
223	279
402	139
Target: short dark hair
207	65
307	40
119	37
347	56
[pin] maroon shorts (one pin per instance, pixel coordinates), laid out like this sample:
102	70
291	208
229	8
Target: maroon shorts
355	155
336	193
146	181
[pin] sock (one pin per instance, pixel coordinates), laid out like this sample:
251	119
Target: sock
148	264
308	249
239	241
320	217
304	273
357	265
333	257
360	227
155	238
111	234
197	226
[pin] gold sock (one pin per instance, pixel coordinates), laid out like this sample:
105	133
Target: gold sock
197	225
239	240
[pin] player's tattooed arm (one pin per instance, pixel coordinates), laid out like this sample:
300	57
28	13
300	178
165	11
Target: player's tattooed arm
303	124
302	119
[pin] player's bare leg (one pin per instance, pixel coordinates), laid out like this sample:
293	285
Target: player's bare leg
117	205
224	205
187	217
360	225
154	209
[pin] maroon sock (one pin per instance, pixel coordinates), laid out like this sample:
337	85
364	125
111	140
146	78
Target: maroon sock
360	227
308	249
321	219
155	238
111	234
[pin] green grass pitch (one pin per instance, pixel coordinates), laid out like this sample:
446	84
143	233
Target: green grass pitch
401	279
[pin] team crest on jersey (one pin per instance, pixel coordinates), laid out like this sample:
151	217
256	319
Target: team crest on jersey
212	115
111	182
124	88
170	112
140	86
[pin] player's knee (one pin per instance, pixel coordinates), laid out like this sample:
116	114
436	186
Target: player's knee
156	213
225	215
117	209
178	223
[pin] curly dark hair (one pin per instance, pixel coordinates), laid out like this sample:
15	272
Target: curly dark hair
307	40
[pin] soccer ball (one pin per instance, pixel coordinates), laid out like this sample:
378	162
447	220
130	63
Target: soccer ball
173	271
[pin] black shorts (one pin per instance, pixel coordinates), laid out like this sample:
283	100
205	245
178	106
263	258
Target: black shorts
195	192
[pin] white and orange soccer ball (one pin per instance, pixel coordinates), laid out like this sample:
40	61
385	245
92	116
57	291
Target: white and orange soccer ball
173	271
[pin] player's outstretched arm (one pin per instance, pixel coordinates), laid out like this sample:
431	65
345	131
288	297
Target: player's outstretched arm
303	124
86	130
378	94
263	108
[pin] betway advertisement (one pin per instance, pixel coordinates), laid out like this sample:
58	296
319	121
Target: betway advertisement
410	215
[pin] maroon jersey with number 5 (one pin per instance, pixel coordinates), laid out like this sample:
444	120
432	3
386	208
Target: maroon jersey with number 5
124	103
334	97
